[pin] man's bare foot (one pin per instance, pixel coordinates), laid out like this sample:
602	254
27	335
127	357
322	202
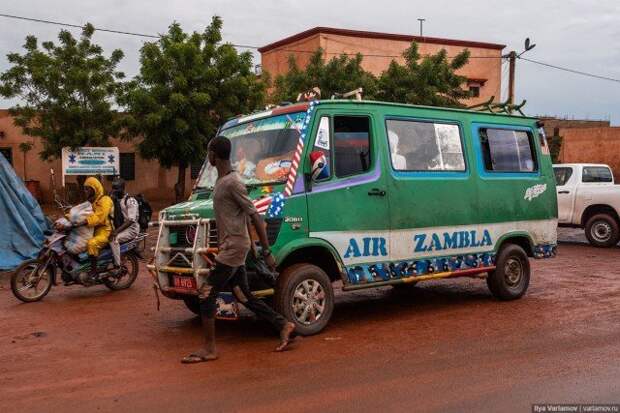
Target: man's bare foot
285	336
199	357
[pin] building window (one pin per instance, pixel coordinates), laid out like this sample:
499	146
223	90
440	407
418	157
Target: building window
8	154
351	145
474	91
506	150
195	169
128	166
425	146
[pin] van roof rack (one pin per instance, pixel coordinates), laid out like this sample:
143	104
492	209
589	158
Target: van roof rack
506	107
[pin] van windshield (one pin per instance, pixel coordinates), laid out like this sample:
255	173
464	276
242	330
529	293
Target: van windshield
262	150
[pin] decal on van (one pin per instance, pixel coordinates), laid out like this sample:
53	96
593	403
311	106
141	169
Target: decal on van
364	247
534	191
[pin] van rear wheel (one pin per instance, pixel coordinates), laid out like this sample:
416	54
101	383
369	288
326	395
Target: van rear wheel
304	295
602	231
511	276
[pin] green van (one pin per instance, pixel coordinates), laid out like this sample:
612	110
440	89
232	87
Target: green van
372	194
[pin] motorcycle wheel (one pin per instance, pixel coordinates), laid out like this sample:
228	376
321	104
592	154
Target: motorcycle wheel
129	264
29	286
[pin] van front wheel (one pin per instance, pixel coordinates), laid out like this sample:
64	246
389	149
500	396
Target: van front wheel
511	276
304	295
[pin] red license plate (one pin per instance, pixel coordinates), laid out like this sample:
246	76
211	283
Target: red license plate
187	283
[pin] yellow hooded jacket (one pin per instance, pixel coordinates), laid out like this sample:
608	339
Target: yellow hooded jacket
100	219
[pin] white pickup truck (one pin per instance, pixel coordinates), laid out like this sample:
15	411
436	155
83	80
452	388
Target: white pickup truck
588	198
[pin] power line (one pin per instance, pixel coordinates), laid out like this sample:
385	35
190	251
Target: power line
578	72
10	16
242	46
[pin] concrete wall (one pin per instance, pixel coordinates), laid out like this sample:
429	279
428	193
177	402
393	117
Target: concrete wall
592	145
379	53
155	182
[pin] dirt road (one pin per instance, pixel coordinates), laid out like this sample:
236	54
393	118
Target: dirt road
443	346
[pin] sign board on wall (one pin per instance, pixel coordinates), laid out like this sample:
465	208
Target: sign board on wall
90	161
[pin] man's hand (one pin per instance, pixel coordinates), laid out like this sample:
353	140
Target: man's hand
113	235
271	262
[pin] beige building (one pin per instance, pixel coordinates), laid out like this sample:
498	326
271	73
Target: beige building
483	70
145	177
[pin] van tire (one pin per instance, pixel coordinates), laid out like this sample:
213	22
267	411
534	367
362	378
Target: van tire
602	231
511	276
301	278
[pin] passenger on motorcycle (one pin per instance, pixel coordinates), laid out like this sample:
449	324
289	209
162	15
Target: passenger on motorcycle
99	220
126	213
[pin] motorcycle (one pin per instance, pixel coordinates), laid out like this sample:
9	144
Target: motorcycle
33	279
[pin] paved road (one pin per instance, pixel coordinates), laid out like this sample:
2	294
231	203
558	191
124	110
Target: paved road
443	346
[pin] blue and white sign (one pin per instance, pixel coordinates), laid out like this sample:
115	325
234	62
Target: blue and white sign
90	161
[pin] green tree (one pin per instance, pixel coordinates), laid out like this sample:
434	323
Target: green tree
338	75
555	147
65	91
429	80
188	85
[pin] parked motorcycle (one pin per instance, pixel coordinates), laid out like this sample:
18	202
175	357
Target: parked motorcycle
33	279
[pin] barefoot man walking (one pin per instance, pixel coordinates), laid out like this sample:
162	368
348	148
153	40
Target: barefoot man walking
233	208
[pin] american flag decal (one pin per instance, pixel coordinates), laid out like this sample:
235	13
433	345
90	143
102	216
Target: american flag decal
292	175
262	204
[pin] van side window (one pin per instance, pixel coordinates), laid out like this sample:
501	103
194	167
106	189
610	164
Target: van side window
562	175
351	145
596	174
506	150
425	146
320	155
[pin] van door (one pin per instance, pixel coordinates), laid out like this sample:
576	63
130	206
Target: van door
565	182
431	190
348	203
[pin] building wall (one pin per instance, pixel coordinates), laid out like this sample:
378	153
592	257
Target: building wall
276	61
379	54
592	145
155	182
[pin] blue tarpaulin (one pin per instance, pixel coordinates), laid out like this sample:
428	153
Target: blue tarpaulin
21	220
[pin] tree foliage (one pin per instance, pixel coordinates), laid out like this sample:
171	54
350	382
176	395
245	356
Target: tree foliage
188	85
338	75
66	91
429	80
422	80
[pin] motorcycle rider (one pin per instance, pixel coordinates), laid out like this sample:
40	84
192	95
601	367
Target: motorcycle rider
99	220
127	206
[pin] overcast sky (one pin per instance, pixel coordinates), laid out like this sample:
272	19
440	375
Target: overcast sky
582	35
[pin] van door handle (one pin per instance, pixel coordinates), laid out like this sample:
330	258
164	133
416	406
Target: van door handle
376	192
563	192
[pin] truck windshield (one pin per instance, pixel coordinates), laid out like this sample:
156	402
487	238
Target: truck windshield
262	150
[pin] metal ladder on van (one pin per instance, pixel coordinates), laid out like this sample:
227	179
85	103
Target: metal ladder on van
195	257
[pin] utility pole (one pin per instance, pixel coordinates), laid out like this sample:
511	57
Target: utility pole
421	26
512	60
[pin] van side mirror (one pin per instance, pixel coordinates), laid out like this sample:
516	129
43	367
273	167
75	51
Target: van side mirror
319	166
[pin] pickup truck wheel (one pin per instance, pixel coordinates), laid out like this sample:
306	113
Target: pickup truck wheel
602	231
304	295
511	276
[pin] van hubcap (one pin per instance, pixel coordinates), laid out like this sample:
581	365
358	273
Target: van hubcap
601	231
513	271
308	301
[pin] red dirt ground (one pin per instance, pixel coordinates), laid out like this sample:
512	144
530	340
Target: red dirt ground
442	346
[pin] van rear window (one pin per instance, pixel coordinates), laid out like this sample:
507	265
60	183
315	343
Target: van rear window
425	146
506	150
